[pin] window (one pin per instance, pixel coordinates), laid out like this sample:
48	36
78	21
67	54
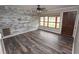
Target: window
41	21
53	22
46	21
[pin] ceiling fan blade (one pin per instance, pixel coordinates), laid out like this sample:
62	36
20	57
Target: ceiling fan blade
43	8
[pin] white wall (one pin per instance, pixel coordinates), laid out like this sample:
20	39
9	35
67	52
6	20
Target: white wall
76	42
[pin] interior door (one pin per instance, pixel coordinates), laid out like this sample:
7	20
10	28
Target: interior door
68	23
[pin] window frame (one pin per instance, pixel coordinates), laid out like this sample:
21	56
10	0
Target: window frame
51	22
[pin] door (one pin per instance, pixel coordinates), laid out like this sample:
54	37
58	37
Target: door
68	23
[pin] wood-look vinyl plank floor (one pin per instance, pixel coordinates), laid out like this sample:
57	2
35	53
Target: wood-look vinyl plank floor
38	42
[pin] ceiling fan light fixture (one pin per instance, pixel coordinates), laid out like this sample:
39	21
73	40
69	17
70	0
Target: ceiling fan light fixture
39	11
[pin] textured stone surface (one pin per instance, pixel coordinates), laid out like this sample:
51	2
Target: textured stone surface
17	21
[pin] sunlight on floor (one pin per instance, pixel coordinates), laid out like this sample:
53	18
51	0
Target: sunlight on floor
49	36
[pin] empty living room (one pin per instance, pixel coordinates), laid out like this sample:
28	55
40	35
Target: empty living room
39	29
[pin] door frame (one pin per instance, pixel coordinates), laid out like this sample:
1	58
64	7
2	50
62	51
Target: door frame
76	34
76	20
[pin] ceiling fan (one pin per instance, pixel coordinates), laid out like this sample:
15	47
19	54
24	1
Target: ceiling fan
39	10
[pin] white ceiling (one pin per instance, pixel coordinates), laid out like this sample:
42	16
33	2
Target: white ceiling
33	7
29	8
